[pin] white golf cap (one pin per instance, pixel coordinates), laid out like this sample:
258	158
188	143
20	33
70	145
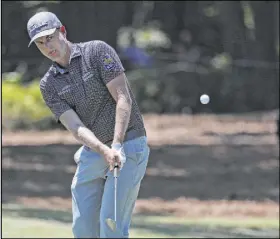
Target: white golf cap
42	24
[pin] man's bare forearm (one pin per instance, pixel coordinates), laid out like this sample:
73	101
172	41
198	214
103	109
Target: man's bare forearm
123	110
73	123
87	137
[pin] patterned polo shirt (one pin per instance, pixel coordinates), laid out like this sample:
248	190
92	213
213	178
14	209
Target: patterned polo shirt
82	87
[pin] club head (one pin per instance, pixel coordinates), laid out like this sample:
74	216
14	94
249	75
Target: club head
111	223
115	231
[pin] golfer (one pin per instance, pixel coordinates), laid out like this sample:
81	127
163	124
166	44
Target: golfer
87	91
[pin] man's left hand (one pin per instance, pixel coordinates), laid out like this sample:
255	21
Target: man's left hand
119	148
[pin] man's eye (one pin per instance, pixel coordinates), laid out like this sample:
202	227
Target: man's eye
49	38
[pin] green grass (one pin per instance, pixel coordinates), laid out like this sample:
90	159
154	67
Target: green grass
23	222
27	228
213	222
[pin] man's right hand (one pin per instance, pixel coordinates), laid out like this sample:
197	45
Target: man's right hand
111	157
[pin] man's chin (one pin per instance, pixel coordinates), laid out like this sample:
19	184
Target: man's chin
53	58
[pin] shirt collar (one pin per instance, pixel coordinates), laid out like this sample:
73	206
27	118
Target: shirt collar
75	52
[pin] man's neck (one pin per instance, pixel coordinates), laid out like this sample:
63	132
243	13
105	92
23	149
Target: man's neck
64	62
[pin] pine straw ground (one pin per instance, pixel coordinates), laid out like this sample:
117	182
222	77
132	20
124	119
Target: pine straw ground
200	166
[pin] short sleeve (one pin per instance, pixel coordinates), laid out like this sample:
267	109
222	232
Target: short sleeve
108	62
52	100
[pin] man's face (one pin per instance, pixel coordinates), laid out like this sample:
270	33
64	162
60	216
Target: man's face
52	46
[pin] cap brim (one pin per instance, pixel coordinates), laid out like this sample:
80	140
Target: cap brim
41	34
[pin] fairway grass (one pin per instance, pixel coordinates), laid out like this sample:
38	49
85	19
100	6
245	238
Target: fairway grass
23	222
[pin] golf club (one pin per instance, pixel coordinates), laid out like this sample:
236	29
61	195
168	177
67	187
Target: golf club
110	222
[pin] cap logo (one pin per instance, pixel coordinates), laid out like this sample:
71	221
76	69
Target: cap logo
36	28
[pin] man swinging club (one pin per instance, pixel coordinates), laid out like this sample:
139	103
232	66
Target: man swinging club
87	91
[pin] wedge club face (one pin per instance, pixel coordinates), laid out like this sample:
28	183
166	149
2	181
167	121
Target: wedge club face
112	224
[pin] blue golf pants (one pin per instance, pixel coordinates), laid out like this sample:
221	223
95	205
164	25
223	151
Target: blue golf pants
93	190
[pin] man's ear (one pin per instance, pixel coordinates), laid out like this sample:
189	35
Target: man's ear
63	30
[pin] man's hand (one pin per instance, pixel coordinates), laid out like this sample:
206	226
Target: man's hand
118	147
112	157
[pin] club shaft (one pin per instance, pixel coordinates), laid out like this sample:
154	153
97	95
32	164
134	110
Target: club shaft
115	203
115	191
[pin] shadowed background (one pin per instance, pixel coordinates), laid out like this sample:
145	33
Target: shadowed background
210	165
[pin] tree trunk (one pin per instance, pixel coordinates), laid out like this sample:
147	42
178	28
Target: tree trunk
234	31
264	16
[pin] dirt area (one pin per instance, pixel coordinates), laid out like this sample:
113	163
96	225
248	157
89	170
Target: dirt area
199	166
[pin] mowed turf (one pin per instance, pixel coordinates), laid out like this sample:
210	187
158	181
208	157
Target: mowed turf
23	222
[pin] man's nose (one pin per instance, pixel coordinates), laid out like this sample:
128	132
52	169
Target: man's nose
47	45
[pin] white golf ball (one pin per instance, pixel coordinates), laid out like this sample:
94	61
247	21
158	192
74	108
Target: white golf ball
204	99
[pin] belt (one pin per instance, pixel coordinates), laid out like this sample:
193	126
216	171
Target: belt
132	134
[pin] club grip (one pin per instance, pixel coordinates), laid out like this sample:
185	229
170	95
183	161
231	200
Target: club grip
116	170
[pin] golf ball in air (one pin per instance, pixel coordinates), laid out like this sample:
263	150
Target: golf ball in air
204	99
